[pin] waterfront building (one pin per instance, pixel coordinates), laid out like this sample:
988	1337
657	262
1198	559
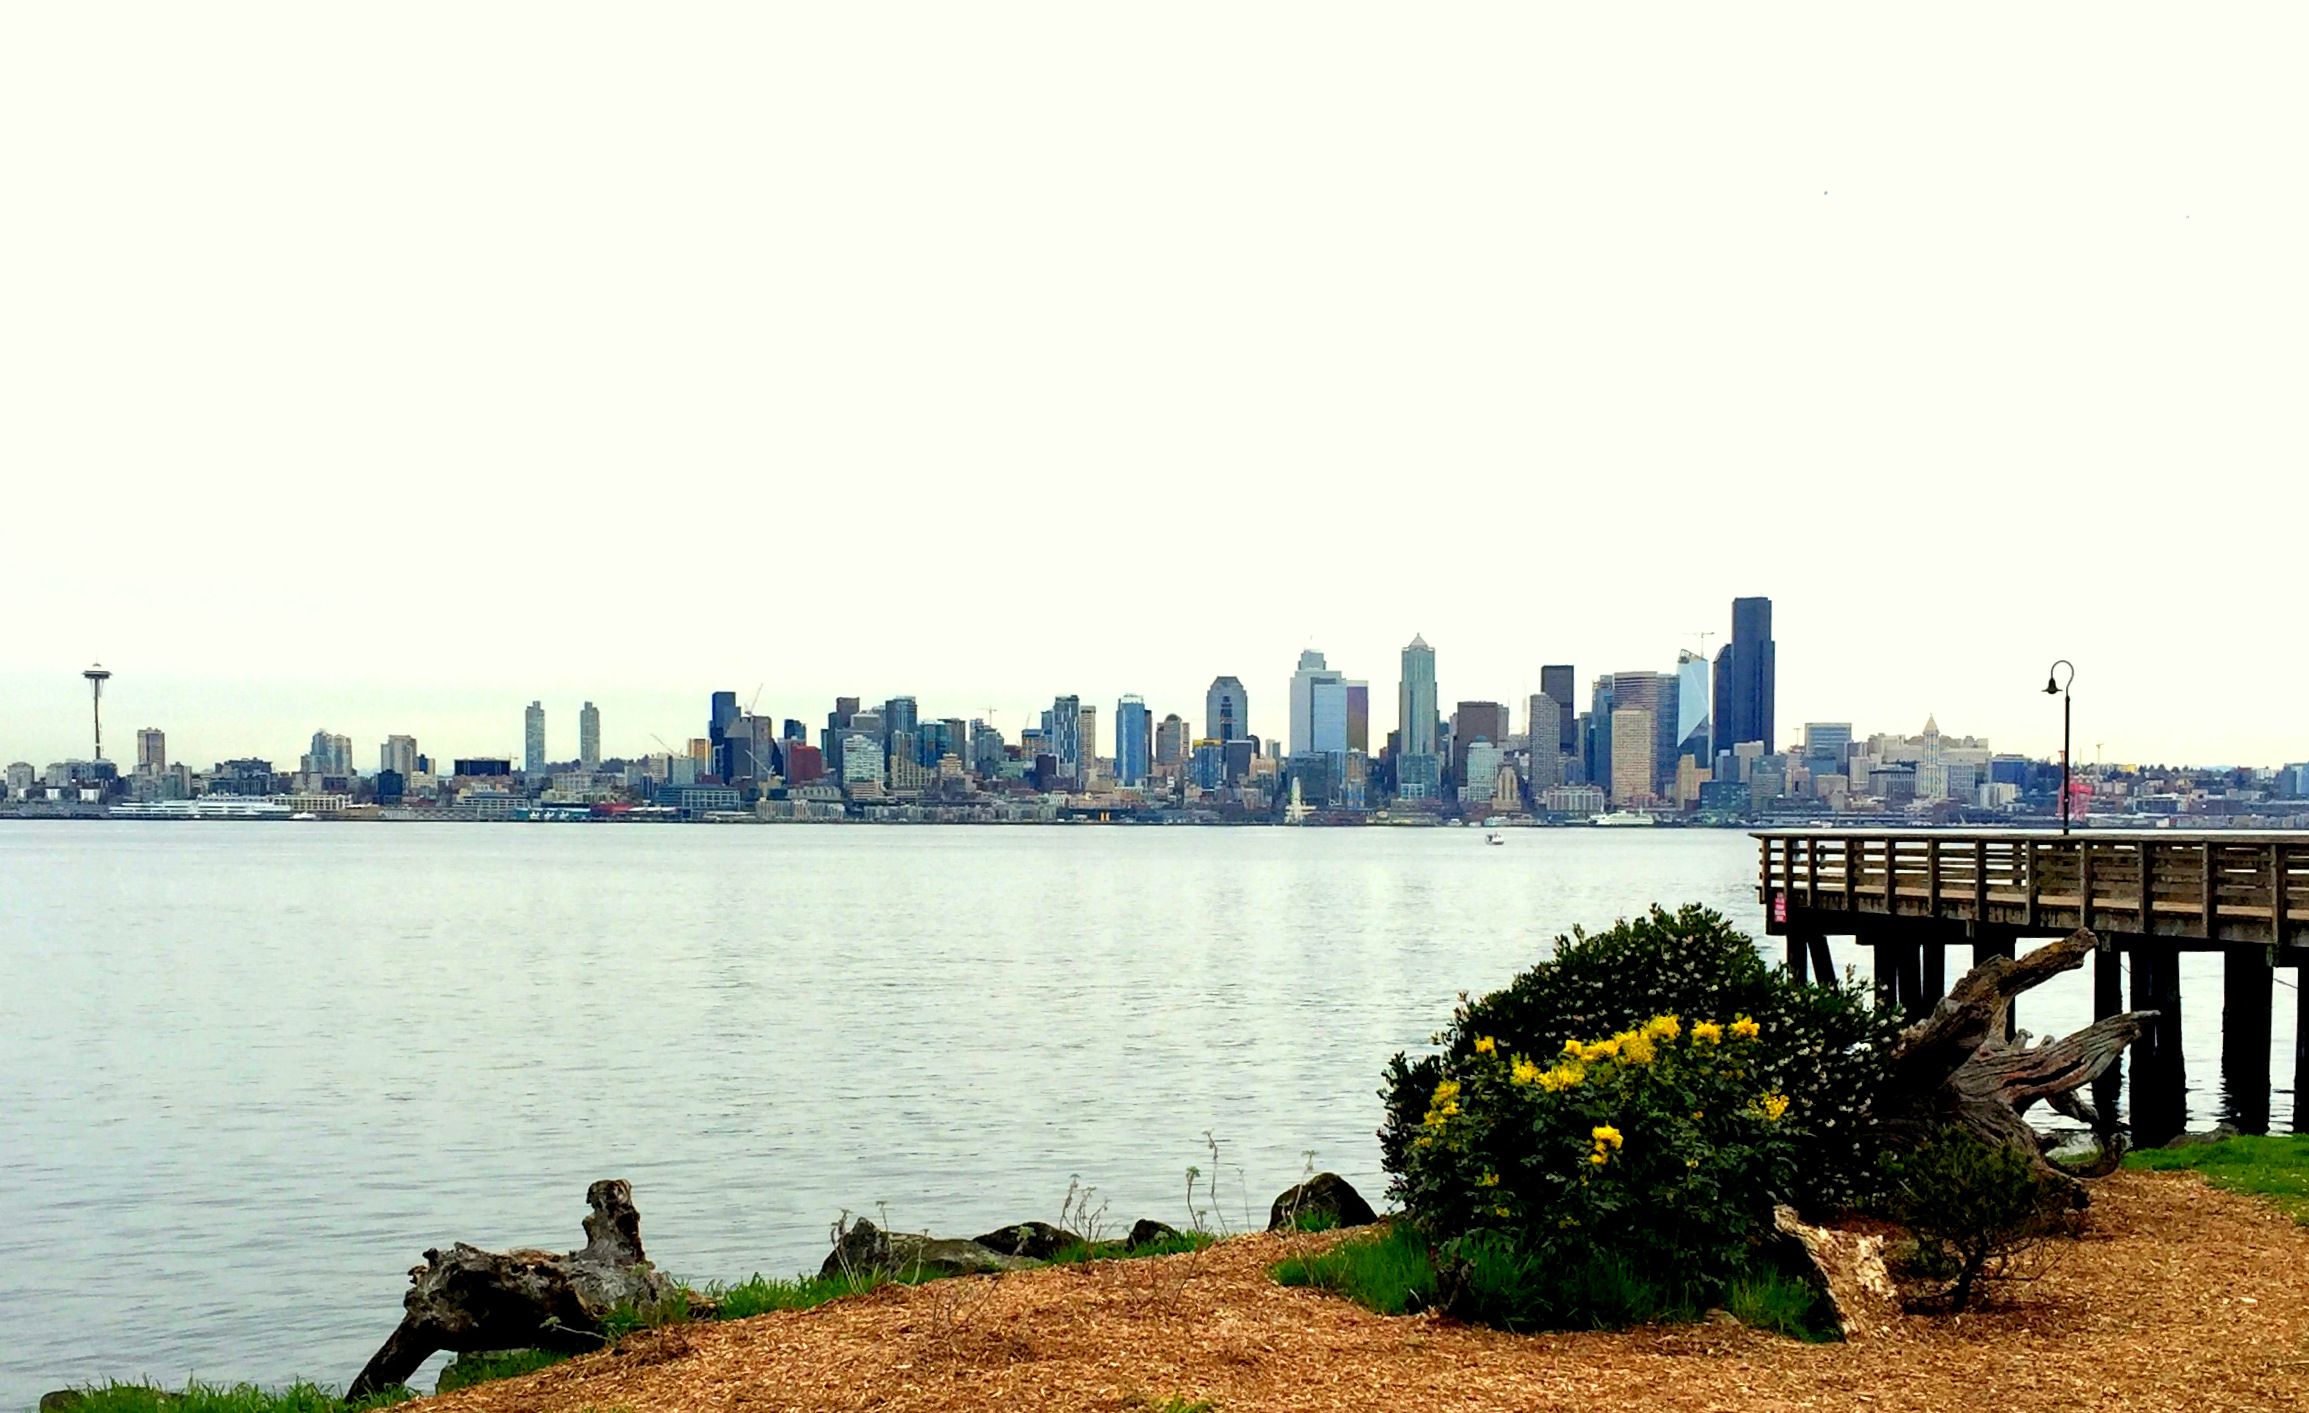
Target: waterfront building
1634	733
1582	801
1133	741
533	738
1472	721
1063	738
1480	770
1170	741
1418	772
1746	672
1695	725
589	736
1227	710
1359	717
1542	736
151	751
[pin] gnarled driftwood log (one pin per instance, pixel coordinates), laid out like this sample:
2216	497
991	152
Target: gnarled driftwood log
466	1298
1955	1068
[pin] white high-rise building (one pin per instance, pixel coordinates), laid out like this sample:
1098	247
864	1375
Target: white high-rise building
533	737
1694	723
399	755
589	736
1318	708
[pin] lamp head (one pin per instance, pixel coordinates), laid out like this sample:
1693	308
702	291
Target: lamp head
2051	687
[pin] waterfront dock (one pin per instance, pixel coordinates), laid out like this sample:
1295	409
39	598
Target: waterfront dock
1908	896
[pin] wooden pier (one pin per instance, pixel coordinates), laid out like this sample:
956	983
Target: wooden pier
2148	897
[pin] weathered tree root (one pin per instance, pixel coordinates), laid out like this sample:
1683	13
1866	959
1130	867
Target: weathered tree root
1954	1068
466	1299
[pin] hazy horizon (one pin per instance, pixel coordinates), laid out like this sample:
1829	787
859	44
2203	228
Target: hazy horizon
382	372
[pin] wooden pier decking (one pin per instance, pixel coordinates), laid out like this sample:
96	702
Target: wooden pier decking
2149	895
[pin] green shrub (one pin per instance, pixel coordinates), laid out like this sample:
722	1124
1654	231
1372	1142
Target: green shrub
1768	1299
1388	1271
1971	1208
1490	1279
1823	1047
226	1398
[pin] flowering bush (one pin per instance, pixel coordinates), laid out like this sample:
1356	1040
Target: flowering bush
1816	1054
1660	1145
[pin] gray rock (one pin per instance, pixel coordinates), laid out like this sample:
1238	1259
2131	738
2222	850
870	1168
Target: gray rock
1147	1229
1325	1196
1036	1241
2198	1140
61	1400
867	1250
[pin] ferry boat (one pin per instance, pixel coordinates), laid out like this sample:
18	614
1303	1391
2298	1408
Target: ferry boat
1621	819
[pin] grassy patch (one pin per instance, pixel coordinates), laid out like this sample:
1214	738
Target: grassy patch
466	1370
1388	1271
1783	1304
233	1398
1083	1251
2275	1168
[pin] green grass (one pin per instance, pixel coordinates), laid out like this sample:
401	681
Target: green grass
234	1398
1388	1272
466	1370
2275	1168
1776	1301
1083	1251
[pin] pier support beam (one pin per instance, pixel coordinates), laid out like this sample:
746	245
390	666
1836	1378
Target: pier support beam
1823	965
1884	962
2300	1044
1932	977
1981	952
1910	968
2246	975
1799	959
2160	1079
2108	999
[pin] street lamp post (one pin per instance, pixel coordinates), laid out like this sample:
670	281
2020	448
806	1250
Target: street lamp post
2055	687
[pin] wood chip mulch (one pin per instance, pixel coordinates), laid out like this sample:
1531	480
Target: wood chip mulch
2178	1296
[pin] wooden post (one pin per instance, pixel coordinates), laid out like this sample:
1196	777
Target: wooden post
1885	965
1932	878
2084	884
2301	1046
1853	861
1980	880
1823	966
2035	881
2160	1107
2210	899
1910	963
1799	958
2148	853
2246	974
1932	977
2108	999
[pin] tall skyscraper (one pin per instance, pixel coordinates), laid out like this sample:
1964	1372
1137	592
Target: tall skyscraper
1693	722
1634	736
589	736
1171	741
1562	685
1065	737
1318	708
721	715
900	714
533	737
1089	740
1133	741
399	755
1359	717
1418	774
1543	731
1745	685
1472	722
1227	710
151	751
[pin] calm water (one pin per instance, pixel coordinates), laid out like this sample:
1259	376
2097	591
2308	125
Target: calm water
252	1071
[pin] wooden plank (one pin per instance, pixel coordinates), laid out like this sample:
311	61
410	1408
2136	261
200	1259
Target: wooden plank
1812	871
2209	897
2148	860
2277	889
1851	873
2035	885
1979	879
2084	866
1932	878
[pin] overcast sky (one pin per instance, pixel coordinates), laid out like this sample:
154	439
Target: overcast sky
380	369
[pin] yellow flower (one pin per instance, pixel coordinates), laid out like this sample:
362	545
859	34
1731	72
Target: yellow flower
1423	1141
1486	1046
1488	1180
1562	1077
1574	1049
1445	1104
1596	1158
1772	1107
1501	1211
1636	1048
1708	1031
1602	1049
1524	1072
1691	1162
1605	1133
1745	1029
1664	1027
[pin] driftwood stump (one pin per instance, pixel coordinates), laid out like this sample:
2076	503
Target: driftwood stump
466	1299
1954	1067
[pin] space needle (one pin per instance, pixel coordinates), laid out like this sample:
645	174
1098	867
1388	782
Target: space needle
96	676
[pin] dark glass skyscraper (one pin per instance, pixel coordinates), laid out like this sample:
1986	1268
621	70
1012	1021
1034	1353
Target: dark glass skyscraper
1744	678
1562	687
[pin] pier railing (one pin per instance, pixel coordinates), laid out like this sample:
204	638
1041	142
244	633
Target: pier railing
2202	891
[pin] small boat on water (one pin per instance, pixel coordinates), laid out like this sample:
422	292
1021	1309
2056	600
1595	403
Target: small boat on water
1494	838
1621	819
